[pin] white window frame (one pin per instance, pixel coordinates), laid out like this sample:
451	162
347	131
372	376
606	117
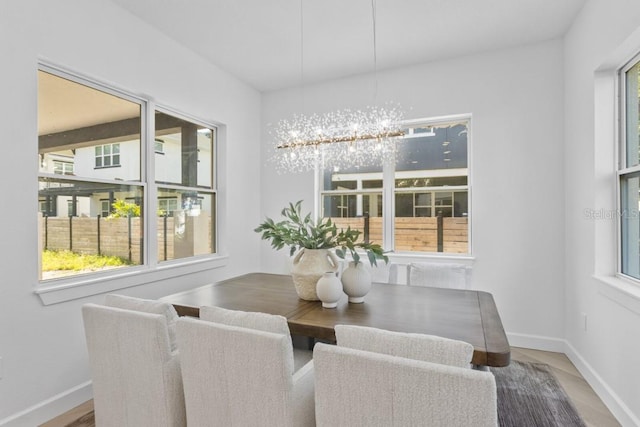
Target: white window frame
166	202
158	146
103	210
110	156
211	190
66	168
389	191
621	164
73	287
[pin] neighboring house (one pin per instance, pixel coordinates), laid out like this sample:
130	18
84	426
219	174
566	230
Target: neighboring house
116	161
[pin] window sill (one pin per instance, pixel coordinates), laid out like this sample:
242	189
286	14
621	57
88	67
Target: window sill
107	167
70	289
623	291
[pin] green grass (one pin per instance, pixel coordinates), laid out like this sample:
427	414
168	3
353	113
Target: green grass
67	260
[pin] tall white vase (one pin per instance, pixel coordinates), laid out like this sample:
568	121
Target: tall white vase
329	289
308	266
356	282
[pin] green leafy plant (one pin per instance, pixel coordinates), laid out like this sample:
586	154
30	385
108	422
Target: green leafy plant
123	209
67	260
301	231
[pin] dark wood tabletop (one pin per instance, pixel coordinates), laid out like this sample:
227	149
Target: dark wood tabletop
465	315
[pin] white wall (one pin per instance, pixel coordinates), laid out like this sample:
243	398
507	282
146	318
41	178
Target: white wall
516	98
42	347
607	351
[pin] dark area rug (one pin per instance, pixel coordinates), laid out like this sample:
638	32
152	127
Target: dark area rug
530	396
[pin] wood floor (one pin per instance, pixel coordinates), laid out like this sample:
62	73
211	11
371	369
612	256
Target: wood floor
588	404
586	401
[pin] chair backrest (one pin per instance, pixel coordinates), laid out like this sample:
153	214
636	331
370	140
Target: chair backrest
147	306
438	275
246	319
252	320
361	388
236	376
384	273
427	348
136	376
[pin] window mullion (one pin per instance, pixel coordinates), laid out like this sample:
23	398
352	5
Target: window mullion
151	195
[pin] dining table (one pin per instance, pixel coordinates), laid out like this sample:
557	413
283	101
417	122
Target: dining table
465	315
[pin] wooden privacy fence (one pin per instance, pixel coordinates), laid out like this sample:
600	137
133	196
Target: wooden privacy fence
121	237
422	234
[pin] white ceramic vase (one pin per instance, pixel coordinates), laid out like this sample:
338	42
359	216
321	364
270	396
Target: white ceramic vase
308	267
329	289
356	282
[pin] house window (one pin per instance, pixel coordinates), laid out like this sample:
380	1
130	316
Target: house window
158	146
107	155
105	208
167	206
186	187
75	188
90	206
62	168
629	172
428	181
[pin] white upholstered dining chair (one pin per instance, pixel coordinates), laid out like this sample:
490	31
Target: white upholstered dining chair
439	275
361	388
134	363
382	378
238	370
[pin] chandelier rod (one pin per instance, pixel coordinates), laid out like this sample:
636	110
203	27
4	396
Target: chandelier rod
302	100
375	54
349	138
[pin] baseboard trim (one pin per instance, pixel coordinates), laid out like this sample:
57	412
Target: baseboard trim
536	342
50	408
611	400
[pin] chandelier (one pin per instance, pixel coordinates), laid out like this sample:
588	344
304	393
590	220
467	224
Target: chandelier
339	138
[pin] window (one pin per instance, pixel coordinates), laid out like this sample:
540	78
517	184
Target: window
426	187
159	146
105	208
107	155
629	172
185	181
167	206
92	186
62	168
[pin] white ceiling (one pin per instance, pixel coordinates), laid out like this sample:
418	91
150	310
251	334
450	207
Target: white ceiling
259	40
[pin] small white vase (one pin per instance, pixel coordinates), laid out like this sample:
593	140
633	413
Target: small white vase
356	282
329	289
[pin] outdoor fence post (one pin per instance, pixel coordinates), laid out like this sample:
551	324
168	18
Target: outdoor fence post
46	232
129	235
98	225
440	232
71	233
166	215
366	228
